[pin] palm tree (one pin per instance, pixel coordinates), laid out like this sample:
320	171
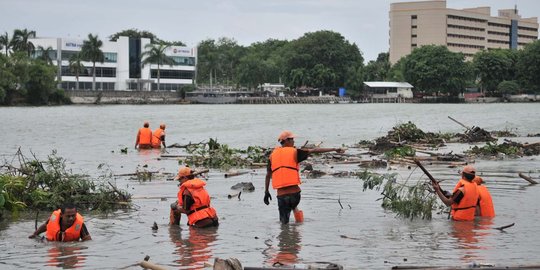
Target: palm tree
45	54
76	66
20	40
155	54
91	51
5	42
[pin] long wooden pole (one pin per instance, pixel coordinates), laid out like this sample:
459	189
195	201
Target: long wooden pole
424	170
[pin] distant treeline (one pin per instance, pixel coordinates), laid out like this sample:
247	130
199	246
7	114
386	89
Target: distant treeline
322	59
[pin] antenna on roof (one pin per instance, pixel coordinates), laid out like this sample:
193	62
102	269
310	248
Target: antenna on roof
515	9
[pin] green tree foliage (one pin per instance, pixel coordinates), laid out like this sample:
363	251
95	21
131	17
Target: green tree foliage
155	54
5	43
219	60
379	69
261	63
91	51
528	67
135	33
44	54
494	66
41	83
508	87
76	66
320	59
21	41
434	69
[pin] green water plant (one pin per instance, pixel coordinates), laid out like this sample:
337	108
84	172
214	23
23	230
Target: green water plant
407	201
47	184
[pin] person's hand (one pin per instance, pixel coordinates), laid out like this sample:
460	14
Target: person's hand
435	185
267	197
32	236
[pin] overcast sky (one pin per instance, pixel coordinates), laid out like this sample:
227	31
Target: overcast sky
364	22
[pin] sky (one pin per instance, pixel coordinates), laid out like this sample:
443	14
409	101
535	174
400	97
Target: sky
363	22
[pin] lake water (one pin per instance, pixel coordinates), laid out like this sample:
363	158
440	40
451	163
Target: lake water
359	236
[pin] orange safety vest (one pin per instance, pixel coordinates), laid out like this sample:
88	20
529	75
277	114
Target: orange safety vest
156	138
284	167
145	136
201	208
72	233
466	208
485	202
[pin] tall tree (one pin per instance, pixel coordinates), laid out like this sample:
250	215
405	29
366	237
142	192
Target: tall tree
91	51
21	40
5	42
378	70
76	66
155	54
528	66
494	66
45	54
434	69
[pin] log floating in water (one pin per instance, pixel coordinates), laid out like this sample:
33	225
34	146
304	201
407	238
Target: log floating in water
231	174
504	227
528	178
148	265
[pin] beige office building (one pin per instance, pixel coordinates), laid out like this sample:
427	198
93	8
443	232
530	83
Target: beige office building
414	24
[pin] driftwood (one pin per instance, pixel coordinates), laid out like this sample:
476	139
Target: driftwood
177	145
528	178
232	195
124	197
137	173
231	174
195	173
148	265
504	227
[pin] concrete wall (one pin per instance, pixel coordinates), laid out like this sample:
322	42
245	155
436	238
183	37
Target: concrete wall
123	97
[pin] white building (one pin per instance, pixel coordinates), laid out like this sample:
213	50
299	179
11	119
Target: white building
389	89
122	68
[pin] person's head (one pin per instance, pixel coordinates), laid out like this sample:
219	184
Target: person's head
162	126
68	213
286	138
146	124
468	172
184	174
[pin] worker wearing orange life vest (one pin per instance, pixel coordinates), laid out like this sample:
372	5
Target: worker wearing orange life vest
283	170
64	225
485	203
194	201
158	137
464	197
144	137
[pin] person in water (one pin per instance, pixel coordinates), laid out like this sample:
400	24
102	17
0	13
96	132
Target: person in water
144	137
64	225
194	201
283	171
464	196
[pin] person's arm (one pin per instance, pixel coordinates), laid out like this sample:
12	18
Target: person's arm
187	202
163	141
137	140
448	201
40	230
85	235
267	195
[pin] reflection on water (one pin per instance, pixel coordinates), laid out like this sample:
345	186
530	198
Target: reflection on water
66	256
288	247
195	250
470	235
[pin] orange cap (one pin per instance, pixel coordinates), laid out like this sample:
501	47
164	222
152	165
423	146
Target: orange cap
162	126
285	135
469	169
184	171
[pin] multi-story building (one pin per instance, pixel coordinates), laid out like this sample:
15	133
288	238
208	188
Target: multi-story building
122	68
414	24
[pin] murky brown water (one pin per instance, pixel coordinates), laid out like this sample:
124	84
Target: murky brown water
360	236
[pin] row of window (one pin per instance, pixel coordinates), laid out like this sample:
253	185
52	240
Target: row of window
465	46
466	27
184	61
498	25
107	72
87	86
466	19
466	37
527	28
498	41
108	57
498	33
527	36
172	74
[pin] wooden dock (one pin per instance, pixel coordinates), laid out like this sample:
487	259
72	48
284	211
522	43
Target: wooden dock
293	100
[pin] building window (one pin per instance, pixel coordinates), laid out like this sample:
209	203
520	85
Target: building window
172	74
414	17
498	33
466	19
466	27
466	37
499	25
498	41
413	36
470	46
414	27
527	28
106	72
413	45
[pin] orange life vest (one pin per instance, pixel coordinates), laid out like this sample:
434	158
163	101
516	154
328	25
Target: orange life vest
284	167
201	208
72	233
466	208
145	136
156	138
485	202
